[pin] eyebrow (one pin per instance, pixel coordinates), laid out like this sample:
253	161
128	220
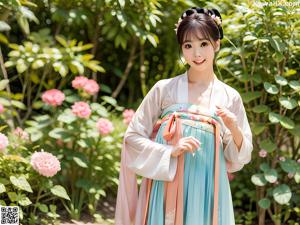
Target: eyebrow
202	39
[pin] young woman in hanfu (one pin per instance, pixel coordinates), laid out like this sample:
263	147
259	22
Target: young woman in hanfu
186	134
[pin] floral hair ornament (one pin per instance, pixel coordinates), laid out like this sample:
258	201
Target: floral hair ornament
217	20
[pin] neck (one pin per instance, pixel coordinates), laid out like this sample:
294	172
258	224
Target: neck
201	78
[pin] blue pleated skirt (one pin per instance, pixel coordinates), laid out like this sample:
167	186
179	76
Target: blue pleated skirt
198	180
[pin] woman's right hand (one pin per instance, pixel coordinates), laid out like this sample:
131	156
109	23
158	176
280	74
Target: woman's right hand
185	144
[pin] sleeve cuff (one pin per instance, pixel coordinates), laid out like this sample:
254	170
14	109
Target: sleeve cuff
242	156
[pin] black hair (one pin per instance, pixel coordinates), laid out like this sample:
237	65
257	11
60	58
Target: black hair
198	19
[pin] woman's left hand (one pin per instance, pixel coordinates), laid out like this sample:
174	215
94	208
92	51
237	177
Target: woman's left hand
228	117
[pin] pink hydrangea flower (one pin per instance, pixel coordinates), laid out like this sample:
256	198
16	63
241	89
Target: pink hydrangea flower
262	153
91	87
298	161
53	97
45	163
282	158
128	115
21	133
79	82
3	142
1	108
291	175
104	126
81	109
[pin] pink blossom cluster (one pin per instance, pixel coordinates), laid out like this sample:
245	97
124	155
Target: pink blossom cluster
263	153
128	115
45	163
104	126
3	142
1	108
53	97
89	86
21	133
81	109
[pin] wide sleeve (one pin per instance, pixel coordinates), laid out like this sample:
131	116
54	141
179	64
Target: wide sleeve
145	156
238	158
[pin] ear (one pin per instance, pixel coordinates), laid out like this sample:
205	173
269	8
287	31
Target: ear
217	45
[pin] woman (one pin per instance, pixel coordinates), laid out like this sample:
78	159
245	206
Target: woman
186	134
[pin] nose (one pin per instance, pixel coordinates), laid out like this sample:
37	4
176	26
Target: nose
197	52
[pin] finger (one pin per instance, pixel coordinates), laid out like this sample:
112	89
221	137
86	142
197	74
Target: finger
194	143
187	146
194	140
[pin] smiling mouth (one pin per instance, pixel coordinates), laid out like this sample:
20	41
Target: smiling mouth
199	62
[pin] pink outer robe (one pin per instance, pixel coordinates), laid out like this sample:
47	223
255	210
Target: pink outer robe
141	155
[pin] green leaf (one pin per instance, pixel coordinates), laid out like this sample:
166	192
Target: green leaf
277	44
59	133
282	194
18	104
271	175
264	167
80	162
61	40
258	128
61	68
100	109
271	88
21	183
2	188
258	179
297	177
274	117
13	197
37	64
288	165
295	131
249	38
42	207
295	85
288	103
264	203
21	66
287	123
35	134
60	191
76	67
67	116
24	201
290	72
153	39
122	3
250	96
3	84
4	26
3	39
261	109
268	145
281	80
109	100
277	56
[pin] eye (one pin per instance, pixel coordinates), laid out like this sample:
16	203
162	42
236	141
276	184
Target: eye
204	44
187	46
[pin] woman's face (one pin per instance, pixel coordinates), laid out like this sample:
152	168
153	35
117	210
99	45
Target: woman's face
199	52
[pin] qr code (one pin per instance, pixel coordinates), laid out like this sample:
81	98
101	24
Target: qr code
9	215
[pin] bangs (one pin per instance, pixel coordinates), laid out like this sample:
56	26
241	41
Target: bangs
197	31
198	26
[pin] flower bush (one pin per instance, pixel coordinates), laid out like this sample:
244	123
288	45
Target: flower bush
82	135
20	184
